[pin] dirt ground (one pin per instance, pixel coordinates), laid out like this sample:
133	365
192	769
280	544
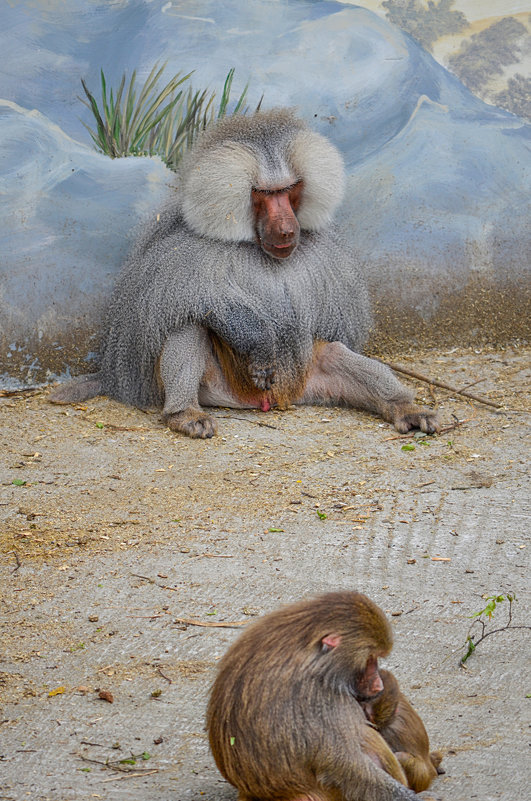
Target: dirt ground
126	548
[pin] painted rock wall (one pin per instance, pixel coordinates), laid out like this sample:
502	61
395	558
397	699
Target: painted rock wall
438	189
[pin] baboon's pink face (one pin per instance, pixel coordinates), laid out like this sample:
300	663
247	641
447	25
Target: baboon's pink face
276	224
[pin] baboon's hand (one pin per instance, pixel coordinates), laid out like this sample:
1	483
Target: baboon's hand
192	422
408	416
263	378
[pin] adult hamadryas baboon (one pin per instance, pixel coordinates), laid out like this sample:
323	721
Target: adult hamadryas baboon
242	292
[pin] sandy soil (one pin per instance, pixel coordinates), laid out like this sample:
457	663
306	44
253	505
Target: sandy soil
116	533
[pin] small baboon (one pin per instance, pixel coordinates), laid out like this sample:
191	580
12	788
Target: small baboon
284	719
403	731
242	292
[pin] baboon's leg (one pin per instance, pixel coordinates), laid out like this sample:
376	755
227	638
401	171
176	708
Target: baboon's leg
182	365
192	378
338	375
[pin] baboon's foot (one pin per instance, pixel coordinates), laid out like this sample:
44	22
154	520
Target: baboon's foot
262	378
406	416
192	422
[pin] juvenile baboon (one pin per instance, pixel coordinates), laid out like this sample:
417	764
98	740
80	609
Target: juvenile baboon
403	731
284	719
242	293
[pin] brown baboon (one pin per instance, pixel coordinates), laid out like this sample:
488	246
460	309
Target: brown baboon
242	293
284	719
403	731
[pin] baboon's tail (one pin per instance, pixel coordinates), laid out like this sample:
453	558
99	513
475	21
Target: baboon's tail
79	389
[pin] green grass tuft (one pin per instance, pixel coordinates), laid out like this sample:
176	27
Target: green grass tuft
154	121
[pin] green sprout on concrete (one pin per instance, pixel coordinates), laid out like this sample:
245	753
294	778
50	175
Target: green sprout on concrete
155	120
483	618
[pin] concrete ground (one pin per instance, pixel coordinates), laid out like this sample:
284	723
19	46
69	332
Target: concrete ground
127	549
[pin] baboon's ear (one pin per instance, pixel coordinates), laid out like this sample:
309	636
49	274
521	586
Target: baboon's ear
330	641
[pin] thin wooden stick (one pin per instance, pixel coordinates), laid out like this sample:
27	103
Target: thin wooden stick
433	382
163	675
17	559
131	775
216	555
10	393
152	581
115	765
221	624
246	420
473	384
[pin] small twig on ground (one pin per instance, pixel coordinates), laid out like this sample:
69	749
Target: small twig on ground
413	374
473	384
217	555
455	425
115	765
17	559
96	761
210	624
131	775
98	745
246	420
494	600
152	581
9	393
113	427
163	675
474	644
433	396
